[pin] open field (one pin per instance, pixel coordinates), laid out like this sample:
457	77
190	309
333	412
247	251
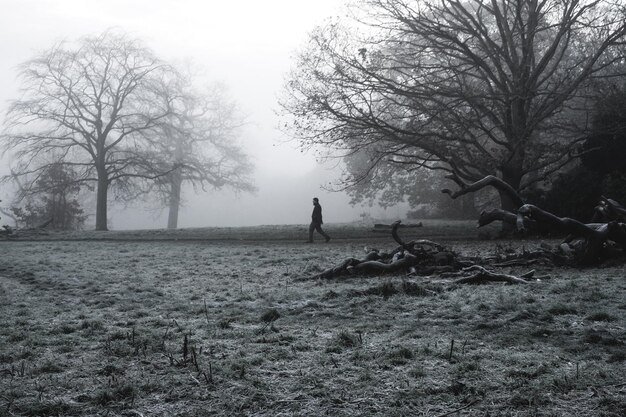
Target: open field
214	322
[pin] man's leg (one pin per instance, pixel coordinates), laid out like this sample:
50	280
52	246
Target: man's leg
311	228
321	232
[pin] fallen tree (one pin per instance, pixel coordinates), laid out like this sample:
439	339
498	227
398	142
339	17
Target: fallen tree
585	243
608	210
418	257
425	258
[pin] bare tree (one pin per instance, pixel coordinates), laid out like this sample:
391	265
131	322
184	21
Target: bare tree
199	143
90	107
473	88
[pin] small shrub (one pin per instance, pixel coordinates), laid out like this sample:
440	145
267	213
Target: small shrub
270	315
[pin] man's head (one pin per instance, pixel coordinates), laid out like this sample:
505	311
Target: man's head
316	200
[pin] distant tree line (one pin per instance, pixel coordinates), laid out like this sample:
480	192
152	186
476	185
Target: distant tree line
106	114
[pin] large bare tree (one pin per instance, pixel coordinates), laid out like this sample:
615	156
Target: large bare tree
473	87
199	143
91	106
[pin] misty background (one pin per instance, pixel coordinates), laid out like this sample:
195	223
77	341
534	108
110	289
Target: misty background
246	45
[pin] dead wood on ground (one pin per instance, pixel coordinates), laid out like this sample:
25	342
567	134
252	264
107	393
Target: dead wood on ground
585	244
422	257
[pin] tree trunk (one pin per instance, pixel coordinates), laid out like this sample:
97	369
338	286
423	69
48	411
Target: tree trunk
508	202
513	177
468	209
101	201
63	211
174	205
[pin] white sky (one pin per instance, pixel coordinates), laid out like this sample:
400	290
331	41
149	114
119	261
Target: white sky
247	44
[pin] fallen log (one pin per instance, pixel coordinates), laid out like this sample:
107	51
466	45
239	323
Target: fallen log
406	262
413	243
488	217
417	257
585	242
338	270
482	275
608	210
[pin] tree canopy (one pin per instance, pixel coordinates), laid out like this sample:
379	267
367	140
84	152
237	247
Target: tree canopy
605	147
473	88
93	107
200	143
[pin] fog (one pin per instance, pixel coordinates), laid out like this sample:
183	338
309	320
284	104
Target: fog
281	199
248	46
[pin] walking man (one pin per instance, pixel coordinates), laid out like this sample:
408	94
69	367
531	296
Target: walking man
316	221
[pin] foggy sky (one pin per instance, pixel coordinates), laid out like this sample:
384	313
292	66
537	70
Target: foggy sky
247	45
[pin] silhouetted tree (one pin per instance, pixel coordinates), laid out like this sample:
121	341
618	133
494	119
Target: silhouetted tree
199	144
474	87
93	107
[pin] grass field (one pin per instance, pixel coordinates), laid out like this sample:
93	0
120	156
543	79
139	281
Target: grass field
215	322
